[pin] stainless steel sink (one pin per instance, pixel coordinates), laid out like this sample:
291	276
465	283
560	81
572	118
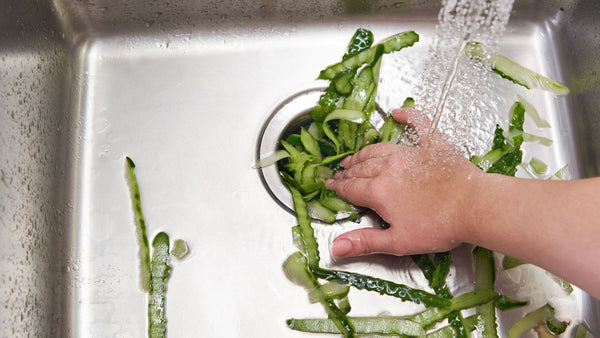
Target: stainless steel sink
184	88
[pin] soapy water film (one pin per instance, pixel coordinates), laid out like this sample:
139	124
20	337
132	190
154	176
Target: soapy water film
461	97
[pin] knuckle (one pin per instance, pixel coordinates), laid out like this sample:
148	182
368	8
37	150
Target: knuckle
370	194
361	243
345	187
372	150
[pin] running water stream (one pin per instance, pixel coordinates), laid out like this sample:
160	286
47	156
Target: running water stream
455	92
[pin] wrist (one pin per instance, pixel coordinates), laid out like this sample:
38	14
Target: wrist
475	206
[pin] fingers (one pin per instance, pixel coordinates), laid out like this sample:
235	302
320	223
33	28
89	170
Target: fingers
410	116
417	120
405	115
351	189
413	117
363	242
369	168
370	151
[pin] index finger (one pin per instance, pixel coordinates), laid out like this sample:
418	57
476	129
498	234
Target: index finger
412	117
417	120
352	189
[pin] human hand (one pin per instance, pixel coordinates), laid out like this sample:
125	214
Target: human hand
422	192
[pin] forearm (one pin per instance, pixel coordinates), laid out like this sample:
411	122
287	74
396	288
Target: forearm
552	224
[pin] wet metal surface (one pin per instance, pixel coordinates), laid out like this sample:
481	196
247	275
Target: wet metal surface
184	90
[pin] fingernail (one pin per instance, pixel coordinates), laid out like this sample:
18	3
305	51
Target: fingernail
342	247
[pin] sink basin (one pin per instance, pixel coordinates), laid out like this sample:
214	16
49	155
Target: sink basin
184	89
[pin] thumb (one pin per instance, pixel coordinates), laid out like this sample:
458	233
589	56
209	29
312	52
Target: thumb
362	242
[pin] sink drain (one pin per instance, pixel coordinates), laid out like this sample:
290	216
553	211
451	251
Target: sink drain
285	119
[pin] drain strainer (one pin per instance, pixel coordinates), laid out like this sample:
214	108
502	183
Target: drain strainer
288	117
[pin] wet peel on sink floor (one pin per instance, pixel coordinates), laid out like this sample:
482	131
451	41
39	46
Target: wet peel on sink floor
186	94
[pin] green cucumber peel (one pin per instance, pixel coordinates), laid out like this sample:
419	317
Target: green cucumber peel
513	71
539	167
582	332
362	39
391	131
337	204
463	301
363	326
449	331
436	274
506	153
310	144
351	115
408	326
331	290
504	303
320	212
271	159
533	113
140	225
297	270
369	55
484	280
527	137
381	286
159	273
306	230
561	174
509	262
180	249
543	314
563	284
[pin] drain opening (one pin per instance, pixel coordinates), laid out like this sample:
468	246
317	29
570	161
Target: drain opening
287	118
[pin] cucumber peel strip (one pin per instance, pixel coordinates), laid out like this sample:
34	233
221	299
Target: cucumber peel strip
180	249
542	314
297	270
533	113
513	71
484	281
140	225
362	325
159	272
351	115
369	55
271	159
398	325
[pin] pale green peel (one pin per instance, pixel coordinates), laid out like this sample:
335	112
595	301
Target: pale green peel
513	71
180	249
271	159
533	113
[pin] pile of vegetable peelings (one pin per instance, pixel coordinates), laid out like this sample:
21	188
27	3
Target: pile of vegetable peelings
340	125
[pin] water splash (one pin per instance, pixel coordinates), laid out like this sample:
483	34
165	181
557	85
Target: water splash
446	90
456	94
